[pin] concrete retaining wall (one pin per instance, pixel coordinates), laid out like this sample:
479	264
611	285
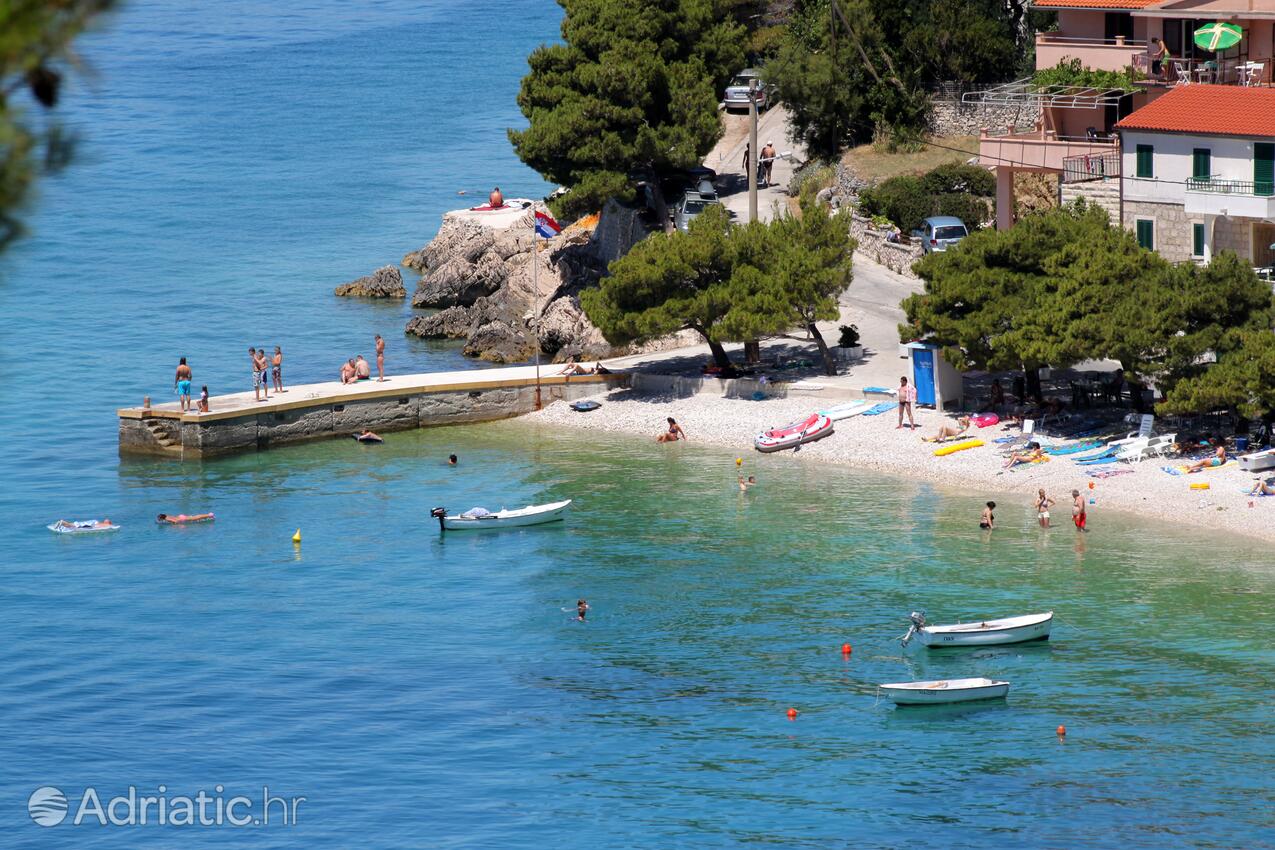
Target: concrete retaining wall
325	419
873	245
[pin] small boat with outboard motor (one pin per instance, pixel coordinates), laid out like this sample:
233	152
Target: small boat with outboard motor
481	518
981	632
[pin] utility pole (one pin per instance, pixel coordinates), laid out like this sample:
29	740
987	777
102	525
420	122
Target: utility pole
754	153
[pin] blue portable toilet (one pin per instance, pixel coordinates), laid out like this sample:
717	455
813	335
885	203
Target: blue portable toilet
937	382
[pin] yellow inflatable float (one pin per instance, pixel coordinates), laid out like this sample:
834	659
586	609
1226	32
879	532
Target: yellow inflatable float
958	447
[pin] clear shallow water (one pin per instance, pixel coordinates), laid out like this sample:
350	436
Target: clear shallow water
421	691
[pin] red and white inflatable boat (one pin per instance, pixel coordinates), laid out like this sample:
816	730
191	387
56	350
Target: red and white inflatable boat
816	426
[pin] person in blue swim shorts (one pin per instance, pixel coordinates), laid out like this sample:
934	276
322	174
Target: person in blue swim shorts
181	383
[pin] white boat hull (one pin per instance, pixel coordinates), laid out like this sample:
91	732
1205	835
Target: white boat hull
530	515
944	692
989	632
809	430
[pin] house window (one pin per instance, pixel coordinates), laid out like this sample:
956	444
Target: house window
1264	168
1197	240
1146	233
1201	163
1145	154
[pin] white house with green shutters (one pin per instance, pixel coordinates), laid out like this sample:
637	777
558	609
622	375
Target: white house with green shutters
1198	173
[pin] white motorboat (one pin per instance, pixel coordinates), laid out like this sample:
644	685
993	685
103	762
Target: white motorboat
981	632
944	691
480	518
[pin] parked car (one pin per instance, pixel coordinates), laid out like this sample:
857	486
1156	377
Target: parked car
940	232
690	205
737	92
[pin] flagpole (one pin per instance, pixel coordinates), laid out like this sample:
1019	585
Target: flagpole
535	300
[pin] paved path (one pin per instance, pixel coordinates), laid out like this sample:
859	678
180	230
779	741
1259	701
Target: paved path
727	160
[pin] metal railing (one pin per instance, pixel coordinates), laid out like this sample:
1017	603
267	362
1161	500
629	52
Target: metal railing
1229	187
1096	166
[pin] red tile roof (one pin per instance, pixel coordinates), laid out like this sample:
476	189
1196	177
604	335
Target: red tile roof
1208	110
1094	4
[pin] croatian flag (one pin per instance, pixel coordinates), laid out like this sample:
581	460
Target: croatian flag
546	226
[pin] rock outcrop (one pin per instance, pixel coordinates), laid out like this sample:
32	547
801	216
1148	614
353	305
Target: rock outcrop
385	282
481	280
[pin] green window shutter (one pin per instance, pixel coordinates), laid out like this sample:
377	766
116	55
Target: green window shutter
1145	154
1201	163
1146	234
1264	168
1197	240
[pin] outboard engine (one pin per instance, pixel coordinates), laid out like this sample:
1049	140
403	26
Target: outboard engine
918	622
440	513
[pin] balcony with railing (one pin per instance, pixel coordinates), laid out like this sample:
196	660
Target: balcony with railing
1234	198
1044	150
1255	71
1091	166
1100	54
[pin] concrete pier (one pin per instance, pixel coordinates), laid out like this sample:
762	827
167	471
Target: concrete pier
239	422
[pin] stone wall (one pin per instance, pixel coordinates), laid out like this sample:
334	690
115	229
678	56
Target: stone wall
950	117
873	245
1173	232
323	420
1104	194
620	227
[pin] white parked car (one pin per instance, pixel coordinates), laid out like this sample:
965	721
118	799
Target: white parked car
737	91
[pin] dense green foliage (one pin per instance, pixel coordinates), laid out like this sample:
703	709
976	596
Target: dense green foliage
633	88
883	57
1069	72
1066	286
34	37
959	190
1243	379
726	283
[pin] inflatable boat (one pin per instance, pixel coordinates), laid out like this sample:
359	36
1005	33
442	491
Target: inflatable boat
816	426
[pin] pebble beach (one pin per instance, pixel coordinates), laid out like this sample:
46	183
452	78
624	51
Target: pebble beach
876	443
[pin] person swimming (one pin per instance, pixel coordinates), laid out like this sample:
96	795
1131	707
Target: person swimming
451	460
582	608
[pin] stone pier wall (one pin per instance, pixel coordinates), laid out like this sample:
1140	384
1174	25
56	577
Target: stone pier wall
172	437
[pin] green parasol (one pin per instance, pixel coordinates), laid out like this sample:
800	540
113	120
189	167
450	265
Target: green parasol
1218	36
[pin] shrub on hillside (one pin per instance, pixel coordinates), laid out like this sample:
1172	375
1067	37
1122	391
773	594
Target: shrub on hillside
960	177
903	200
969	209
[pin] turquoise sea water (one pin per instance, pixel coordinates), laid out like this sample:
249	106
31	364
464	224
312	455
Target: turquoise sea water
422	690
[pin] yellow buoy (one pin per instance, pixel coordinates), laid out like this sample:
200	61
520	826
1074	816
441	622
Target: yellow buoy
739	461
296	538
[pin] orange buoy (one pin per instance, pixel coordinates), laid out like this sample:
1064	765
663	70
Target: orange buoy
1090	485
1061	730
792	714
846	649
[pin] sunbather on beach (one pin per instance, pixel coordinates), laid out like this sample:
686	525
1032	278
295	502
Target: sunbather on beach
950	430
673	434
1218	459
1261	487
1030	456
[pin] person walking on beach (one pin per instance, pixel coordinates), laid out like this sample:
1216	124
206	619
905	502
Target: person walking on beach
1043	504
181	383
988	520
673	434
380	359
1078	510
907	398
276	369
